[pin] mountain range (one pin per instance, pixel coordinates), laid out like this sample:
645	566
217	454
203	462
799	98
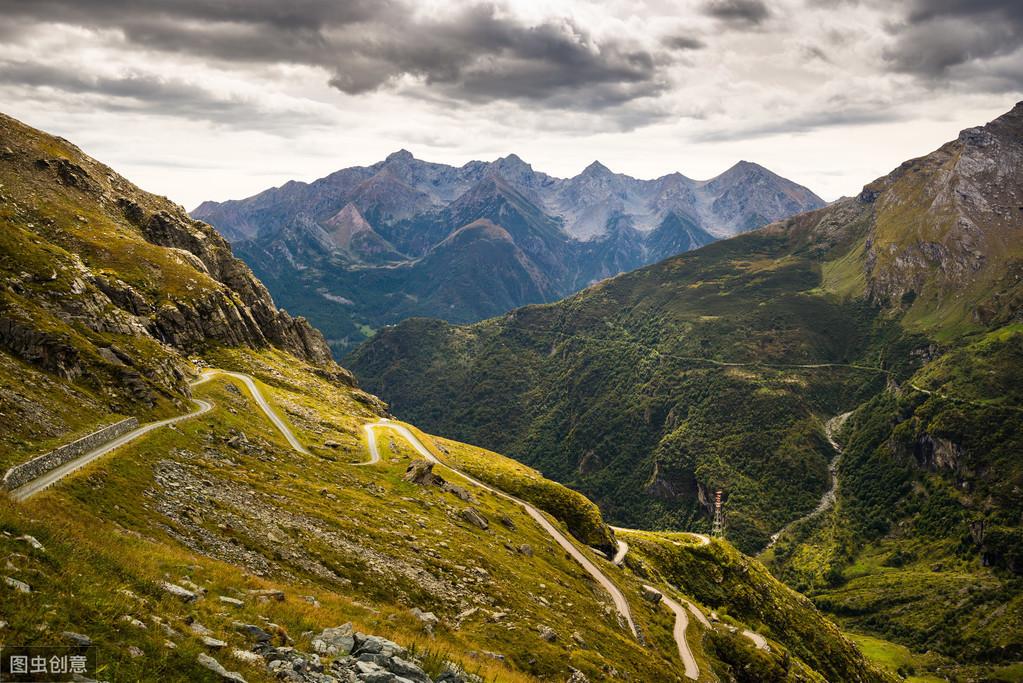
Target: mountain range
370	246
196	491
897	310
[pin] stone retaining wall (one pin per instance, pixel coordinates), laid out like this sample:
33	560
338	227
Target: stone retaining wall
20	475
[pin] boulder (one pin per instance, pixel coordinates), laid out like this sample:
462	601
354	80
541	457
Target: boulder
652	594
365	644
253	631
213	642
474	517
428	619
421	472
76	639
179	591
217	668
336	641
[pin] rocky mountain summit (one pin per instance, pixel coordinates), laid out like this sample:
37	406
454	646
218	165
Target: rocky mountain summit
368	246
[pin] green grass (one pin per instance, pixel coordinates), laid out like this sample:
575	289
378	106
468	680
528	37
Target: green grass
896	658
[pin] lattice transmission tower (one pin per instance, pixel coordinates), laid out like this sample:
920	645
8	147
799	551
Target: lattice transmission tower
718	530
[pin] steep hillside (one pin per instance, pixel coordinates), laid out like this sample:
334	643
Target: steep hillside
716	370
109	288
370	246
281	527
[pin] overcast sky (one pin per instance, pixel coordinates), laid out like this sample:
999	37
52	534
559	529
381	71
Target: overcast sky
215	100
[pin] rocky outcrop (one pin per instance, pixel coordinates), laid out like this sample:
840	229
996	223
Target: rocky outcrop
934	453
110	287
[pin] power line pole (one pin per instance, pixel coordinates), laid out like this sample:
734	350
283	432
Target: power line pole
718	530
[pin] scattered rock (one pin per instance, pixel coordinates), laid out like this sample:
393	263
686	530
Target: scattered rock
330	443
76	639
213	642
246	656
230	601
547	633
31	540
311	599
253	631
336	641
652	594
576	676
268	594
19	586
428	619
135	652
217	668
375	645
198	629
421	472
407	670
526	549
179	591
475	517
128	619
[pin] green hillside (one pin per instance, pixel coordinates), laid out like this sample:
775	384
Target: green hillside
717	369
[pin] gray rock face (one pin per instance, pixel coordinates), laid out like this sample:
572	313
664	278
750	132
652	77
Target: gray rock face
336	641
179	591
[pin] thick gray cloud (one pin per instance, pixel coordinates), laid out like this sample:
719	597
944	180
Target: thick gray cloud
948	39
146	94
476	53
739	13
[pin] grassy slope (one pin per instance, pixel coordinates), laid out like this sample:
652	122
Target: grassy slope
367	545
360	539
742	591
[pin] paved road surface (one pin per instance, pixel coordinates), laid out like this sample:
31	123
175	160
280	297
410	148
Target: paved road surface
623	549
257	395
47	479
679	632
757	639
371	441
621	604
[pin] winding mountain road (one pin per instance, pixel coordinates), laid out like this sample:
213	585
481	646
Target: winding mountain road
47	479
620	552
621	604
692	670
260	400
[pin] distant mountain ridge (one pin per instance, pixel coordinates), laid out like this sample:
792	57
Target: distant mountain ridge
378	237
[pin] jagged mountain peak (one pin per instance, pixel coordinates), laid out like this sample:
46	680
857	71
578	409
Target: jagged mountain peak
597	169
574	230
401	155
